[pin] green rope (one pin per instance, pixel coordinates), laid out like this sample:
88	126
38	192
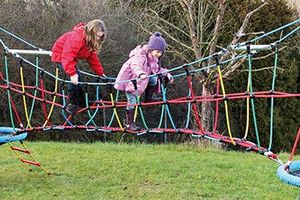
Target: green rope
88	107
165	108
161	116
141	113
162	108
169	114
143	118
89	111
252	100
8	93
189	112
272	98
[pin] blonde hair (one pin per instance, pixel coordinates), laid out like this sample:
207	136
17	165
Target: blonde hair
91	29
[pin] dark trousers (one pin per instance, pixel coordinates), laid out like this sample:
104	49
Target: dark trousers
75	92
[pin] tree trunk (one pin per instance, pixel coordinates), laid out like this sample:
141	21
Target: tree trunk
207	111
207	89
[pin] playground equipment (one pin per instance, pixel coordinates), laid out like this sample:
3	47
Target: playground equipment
9	135
290	172
44	99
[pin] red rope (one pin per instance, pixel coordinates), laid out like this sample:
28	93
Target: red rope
16	112
212	98
295	145
250	146
33	87
194	100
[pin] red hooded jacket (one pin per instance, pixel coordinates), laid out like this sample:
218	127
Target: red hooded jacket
70	47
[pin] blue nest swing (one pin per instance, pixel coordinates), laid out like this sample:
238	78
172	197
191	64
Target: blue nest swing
290	174
8	134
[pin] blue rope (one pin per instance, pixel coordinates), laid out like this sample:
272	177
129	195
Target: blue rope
17	37
189	112
96	111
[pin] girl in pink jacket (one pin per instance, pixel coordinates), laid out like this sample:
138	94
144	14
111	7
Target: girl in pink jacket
143	61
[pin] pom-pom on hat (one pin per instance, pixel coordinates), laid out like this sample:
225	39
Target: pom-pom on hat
156	42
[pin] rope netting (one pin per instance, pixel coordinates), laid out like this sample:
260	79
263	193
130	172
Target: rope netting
47	95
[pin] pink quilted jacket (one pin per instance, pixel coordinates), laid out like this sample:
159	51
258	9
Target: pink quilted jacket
138	63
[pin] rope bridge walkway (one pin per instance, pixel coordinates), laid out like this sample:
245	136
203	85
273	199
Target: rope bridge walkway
47	95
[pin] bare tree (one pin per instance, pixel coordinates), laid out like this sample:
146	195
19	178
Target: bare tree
193	29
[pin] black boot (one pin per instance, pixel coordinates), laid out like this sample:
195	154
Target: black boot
149	93
81	98
130	125
72	106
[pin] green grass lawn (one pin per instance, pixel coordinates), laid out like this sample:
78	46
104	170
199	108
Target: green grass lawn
139	171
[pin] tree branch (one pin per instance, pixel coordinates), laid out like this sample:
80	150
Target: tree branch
245	24
238	35
170	24
262	69
174	39
188	8
217	28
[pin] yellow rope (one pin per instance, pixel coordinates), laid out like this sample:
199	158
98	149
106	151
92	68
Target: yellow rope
24	97
136	109
54	98
226	105
115	111
248	111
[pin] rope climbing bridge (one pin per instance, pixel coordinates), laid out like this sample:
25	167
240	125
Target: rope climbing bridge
44	97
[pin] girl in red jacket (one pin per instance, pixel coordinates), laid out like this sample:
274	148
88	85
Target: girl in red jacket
82	42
